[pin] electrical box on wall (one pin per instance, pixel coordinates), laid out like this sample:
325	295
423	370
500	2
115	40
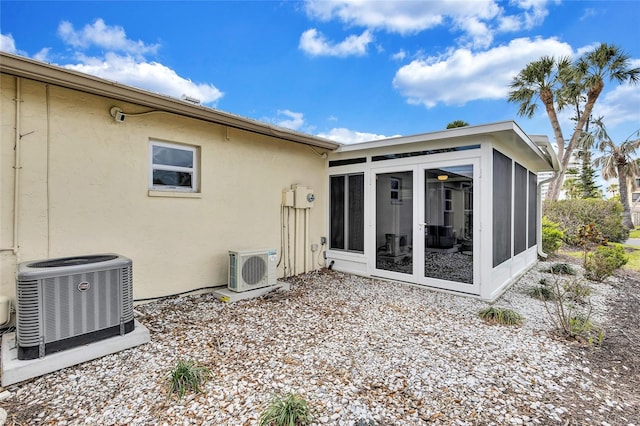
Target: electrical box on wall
303	197
287	198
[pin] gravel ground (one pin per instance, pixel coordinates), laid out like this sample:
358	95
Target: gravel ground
360	351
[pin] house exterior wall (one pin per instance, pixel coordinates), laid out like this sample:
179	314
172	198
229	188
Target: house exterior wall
84	189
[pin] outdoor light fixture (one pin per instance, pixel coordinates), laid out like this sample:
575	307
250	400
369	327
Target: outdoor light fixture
443	177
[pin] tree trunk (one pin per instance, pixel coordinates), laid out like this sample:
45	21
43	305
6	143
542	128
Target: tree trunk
624	197
592	97
546	96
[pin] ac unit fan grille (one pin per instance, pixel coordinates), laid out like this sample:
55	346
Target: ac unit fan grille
253	270
72	261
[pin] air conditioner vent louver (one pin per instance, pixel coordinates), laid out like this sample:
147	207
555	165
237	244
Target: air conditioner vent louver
72	301
249	270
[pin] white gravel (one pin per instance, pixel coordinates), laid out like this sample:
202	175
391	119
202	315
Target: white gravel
356	349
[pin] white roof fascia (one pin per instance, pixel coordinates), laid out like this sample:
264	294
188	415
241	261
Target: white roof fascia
459	132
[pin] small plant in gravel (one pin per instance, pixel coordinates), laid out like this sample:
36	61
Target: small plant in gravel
187	376
561	269
286	410
501	316
365	422
542	292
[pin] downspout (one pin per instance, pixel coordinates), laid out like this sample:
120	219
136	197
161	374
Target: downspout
16	170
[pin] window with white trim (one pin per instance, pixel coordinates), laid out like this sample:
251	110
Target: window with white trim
173	167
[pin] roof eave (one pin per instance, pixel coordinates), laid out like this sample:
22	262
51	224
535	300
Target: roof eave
38	71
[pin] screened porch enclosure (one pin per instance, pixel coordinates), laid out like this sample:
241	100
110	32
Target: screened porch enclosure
456	210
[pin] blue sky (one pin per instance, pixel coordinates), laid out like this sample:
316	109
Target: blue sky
344	70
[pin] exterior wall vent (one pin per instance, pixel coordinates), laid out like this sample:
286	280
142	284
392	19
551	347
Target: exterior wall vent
72	301
249	270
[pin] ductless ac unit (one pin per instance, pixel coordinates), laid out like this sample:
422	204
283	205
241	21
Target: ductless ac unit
249	270
67	302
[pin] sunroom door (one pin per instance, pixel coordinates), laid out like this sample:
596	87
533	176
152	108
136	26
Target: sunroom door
394	223
448	226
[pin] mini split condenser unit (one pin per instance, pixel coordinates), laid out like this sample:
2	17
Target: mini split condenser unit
67	302
249	270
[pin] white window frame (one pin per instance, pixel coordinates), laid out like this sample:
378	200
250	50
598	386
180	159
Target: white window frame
193	170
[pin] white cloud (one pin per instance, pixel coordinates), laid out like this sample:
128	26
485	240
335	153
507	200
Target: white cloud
462	75
7	43
112	38
342	135
618	106
477	21
399	55
315	44
294	121
151	76
124	61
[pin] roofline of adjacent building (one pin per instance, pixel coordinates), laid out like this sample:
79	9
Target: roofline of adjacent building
30	69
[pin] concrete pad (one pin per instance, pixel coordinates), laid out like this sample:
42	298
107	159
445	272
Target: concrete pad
15	370
225	295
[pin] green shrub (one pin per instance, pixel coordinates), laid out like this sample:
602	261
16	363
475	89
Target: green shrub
501	316
187	376
573	214
287	410
604	261
552	236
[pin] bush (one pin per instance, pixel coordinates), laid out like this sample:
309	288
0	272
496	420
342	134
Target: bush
574	214
604	261
287	410
552	236
571	320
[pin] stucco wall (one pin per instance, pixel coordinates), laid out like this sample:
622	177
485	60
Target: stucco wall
84	189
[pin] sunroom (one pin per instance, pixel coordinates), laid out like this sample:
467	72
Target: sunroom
457	210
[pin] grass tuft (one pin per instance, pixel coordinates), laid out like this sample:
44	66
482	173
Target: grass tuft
286	410
187	376
501	316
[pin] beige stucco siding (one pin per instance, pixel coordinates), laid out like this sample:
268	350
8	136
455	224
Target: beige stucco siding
84	189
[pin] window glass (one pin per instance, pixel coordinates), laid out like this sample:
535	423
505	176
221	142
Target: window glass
533	209
173	167
502	196
520	209
172	156
346	209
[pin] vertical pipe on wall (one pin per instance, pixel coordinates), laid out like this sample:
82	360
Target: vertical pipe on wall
16	169
47	171
306	239
296	226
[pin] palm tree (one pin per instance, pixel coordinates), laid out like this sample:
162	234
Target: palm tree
457	123
557	83
592	69
617	161
543	79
